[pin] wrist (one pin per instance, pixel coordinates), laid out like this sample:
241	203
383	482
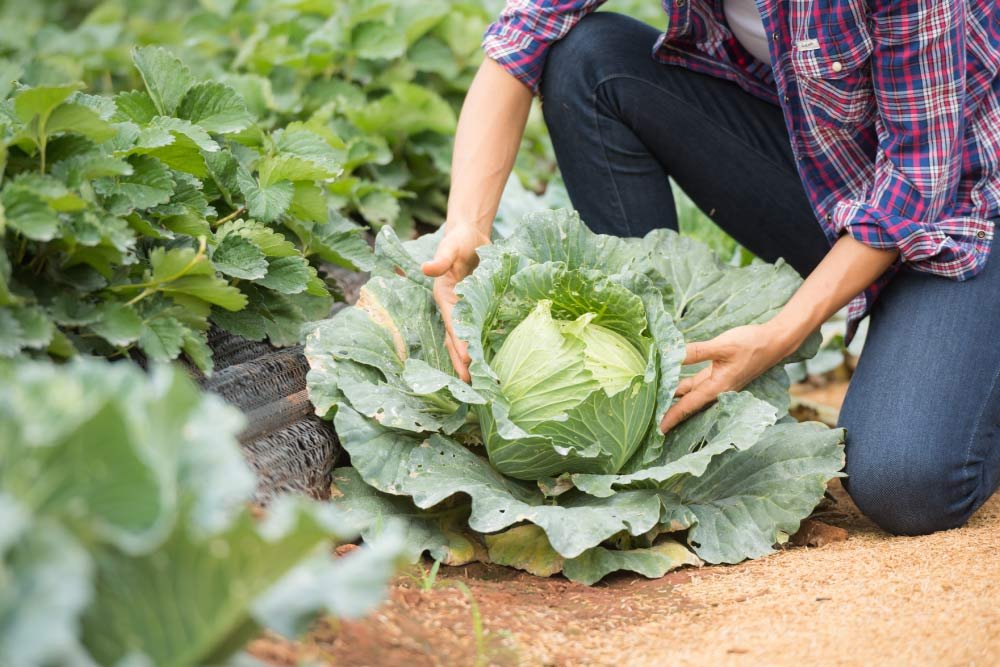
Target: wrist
788	331
467	226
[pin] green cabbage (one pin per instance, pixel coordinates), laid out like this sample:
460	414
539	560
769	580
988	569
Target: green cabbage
126	531
550	459
554	375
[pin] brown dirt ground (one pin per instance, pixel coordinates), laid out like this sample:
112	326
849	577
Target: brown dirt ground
871	599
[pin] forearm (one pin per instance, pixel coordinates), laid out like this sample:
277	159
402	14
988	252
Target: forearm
845	272
489	134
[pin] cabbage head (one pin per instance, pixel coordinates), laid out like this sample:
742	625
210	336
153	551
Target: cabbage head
550	460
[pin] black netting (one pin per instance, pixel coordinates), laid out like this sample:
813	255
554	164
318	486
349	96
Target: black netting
229	350
262	380
298	458
290	449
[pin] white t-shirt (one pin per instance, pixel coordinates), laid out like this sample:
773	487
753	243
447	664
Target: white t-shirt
745	22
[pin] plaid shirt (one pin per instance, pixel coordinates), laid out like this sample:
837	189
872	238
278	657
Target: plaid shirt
892	108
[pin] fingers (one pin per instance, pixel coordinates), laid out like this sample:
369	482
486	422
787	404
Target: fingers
457	361
687	384
458	350
692	402
443	260
698	352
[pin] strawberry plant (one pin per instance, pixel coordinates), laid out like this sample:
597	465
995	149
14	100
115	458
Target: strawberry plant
134	221
386	77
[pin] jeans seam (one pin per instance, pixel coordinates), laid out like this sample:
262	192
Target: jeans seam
607	162
990	396
705	116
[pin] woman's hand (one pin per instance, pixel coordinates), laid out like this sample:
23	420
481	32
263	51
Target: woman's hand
488	136
455	259
737	358
742	354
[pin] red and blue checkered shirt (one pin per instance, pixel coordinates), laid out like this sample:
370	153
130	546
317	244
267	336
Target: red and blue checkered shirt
892	108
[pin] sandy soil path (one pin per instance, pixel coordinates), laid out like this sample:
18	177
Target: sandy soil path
871	599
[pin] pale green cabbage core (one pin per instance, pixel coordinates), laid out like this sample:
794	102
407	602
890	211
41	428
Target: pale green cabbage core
547	366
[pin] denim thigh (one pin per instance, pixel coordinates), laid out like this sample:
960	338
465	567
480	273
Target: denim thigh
923	409
622	123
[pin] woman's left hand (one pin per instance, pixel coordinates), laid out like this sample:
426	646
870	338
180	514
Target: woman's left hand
738	357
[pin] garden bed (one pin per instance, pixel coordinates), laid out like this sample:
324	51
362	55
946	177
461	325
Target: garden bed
872	599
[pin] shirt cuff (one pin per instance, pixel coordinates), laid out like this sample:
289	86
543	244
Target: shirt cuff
955	248
518	52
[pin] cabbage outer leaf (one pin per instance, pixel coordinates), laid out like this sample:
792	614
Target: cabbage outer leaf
730	482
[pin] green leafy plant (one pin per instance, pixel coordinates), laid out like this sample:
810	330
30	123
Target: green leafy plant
126	532
551	460
384	77
134	221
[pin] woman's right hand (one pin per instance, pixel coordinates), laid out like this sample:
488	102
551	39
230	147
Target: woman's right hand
489	133
454	260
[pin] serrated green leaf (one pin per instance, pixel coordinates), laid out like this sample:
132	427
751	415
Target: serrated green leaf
185	272
211	289
167	79
196	348
309	203
247	323
118	323
102	105
288	275
70	310
302	156
379	208
36	327
27	213
269	241
11	333
136	106
149	185
215	107
89	166
81	120
162	338
407	110
52	191
41	101
341	242
175	142
265	203
174	263
185	128
375	39
188	199
239	257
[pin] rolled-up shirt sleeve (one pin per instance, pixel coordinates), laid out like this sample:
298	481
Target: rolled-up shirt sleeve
520	38
918	71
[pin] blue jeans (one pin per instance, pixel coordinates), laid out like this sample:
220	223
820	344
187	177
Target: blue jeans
923	410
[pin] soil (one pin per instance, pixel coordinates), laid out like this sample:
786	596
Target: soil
849	594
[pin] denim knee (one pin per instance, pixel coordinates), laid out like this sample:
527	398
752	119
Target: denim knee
580	60
898	483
